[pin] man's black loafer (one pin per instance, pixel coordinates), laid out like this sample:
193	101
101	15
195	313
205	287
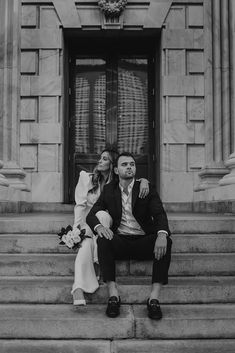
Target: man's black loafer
154	310
113	308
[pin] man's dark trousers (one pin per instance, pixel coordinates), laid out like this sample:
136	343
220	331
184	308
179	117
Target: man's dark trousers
135	247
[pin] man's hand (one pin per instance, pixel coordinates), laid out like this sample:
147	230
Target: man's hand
104	232
160	245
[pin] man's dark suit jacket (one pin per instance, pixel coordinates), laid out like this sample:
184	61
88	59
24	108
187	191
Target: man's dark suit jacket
148	212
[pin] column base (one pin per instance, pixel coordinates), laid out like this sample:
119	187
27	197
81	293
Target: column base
229	179
219	193
4	185
210	176
3	180
15	176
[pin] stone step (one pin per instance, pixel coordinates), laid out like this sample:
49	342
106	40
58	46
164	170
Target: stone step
179	223
174	346
49	243
63	265
118	346
197	207
64	322
52	290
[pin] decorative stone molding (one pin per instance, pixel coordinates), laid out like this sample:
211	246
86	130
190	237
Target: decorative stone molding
210	175
157	13
112	22
67	13
15	175
112	8
74	14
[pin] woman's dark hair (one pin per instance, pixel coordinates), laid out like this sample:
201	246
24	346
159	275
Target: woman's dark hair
97	177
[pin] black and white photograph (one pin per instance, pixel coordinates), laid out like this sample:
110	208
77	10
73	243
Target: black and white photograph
117	176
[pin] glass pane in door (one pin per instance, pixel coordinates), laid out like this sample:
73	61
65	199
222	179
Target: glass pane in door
88	116
90	105
133	105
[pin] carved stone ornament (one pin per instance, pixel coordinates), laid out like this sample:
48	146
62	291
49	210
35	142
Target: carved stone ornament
112	8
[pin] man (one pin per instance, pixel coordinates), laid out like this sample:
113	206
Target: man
139	231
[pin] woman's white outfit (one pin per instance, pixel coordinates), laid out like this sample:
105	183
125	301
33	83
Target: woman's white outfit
84	272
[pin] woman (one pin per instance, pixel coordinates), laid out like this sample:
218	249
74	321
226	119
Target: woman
87	192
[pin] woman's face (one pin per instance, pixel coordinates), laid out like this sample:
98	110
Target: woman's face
104	163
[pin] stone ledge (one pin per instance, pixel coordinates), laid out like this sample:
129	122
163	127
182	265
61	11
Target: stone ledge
187	321
63	265
15	207
48	243
51	222
90	322
133	290
55	346
176	346
63	321
171	207
117	346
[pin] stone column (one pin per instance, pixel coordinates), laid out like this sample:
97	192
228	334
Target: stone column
216	54
10	19
229	179
3	180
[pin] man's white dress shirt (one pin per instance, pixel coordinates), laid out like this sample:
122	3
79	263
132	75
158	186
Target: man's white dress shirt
128	224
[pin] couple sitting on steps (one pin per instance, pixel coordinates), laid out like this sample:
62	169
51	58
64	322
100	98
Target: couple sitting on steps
126	219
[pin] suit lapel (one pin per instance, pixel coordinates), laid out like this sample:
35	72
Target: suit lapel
118	201
135	193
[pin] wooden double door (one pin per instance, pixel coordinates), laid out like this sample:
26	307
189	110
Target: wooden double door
111	105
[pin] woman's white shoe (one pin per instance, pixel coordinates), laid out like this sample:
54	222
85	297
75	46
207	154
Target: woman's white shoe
78	297
79	302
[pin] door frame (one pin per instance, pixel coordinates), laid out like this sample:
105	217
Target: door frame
153	103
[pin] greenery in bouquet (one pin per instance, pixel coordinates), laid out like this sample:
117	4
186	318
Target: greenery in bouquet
72	238
112	8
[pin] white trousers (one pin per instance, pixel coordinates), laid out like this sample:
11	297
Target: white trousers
84	271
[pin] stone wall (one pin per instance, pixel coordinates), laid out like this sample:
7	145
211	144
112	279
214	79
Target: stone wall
182	113
196	89
183	140
41	124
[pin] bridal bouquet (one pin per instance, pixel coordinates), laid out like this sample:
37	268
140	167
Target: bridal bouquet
72	238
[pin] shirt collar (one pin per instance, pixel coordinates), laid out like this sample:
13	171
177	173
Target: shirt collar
129	188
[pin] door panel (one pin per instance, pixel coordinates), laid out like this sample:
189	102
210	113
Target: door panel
133	118
109	107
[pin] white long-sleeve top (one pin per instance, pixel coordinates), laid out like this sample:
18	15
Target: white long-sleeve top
84	199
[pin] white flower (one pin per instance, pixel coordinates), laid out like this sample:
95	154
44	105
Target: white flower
70	243
75	236
67	240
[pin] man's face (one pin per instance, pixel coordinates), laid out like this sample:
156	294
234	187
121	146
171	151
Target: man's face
126	168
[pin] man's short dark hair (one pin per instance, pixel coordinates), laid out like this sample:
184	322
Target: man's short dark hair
124	154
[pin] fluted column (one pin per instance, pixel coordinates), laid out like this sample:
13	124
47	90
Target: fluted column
10	17
217	114
229	179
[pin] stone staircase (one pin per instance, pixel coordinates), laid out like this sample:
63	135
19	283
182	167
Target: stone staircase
36	274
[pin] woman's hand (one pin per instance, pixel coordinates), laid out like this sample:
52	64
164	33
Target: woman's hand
104	232
144	188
